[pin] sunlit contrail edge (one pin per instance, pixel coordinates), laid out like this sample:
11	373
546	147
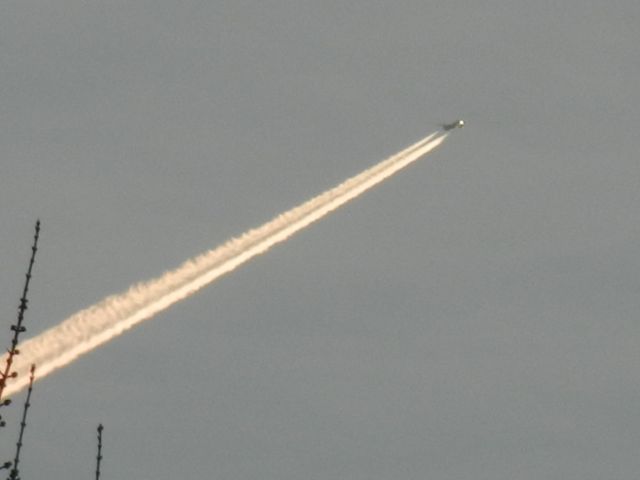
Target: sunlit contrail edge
89	328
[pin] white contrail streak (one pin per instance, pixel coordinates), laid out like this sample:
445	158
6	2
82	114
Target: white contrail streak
89	328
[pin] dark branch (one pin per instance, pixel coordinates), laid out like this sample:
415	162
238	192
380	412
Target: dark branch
99	457
18	328
13	475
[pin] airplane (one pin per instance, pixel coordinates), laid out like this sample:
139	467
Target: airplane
451	126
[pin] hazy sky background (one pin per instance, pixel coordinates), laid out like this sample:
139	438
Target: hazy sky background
475	317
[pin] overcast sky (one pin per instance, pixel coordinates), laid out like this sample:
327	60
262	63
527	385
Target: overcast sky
474	317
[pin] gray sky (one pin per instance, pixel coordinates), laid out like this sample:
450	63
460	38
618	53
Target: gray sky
474	317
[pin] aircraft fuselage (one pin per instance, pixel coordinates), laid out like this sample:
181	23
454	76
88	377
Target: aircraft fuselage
451	126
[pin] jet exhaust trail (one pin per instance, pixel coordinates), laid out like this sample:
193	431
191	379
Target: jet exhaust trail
89	328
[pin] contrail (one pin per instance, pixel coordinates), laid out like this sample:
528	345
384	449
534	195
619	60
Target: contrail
89	328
